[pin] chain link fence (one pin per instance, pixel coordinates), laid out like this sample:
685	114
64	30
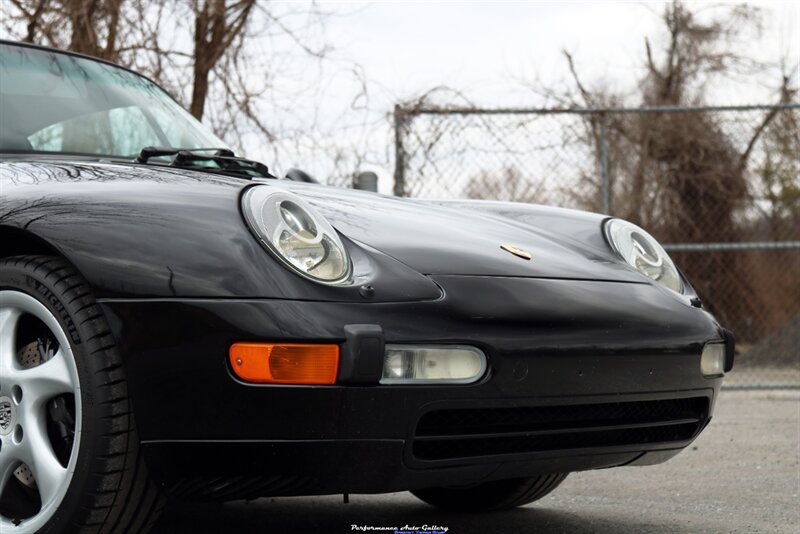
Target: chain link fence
720	186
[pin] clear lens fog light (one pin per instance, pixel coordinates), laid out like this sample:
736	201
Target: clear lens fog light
407	364
712	361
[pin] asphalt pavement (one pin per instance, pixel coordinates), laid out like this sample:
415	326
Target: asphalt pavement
741	475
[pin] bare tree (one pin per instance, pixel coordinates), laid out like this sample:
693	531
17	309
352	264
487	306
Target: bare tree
87	26
509	184
217	26
684	175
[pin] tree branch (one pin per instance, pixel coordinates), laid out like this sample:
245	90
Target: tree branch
768	118
587	98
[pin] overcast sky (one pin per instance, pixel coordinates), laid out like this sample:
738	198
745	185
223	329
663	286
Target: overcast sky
484	47
487	49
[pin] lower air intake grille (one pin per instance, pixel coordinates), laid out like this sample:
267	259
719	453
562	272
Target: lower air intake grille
464	433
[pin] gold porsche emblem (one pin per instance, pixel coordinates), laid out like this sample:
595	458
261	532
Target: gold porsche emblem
516	251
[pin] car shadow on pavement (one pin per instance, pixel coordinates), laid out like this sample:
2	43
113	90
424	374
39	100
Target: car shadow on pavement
301	515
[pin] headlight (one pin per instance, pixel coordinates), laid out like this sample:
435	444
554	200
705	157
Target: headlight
296	234
643	252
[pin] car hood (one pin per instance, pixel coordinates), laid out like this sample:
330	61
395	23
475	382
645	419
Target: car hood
465	238
124	209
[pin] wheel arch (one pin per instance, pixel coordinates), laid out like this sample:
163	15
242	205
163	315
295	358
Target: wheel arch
18	242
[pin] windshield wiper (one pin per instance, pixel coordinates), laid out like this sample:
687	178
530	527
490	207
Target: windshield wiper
223	161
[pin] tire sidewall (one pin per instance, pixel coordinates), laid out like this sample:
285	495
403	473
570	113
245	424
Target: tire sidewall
28	280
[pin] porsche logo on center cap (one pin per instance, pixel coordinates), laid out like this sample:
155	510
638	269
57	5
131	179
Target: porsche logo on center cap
516	251
6	415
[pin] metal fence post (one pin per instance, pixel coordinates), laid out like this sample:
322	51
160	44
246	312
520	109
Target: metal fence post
605	189
399	152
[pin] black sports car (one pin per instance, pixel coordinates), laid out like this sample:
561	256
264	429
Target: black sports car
176	322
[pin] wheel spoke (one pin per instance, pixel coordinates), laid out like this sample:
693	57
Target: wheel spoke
39	455
48	379
8	462
9	317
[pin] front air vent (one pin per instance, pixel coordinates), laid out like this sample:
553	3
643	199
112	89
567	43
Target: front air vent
484	432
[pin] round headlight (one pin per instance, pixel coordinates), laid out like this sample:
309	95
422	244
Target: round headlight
296	234
643	252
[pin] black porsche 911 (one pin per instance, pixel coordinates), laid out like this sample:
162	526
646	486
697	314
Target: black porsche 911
177	323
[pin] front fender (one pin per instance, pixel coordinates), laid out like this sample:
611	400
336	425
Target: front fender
136	232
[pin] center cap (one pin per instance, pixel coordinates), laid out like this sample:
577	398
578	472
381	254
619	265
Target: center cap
8	415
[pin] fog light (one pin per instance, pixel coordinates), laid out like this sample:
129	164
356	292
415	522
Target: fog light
444	364
712	361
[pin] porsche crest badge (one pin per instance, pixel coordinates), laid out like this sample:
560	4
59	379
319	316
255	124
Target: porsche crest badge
516	251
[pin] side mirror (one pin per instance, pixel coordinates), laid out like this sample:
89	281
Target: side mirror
366	181
296	175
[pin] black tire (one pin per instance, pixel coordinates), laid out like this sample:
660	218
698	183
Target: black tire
110	490
491	496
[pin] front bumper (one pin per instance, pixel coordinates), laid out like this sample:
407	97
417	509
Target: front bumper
558	352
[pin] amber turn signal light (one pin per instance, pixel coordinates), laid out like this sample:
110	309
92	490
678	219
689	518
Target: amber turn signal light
285	363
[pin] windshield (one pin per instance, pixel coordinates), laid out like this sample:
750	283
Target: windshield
55	102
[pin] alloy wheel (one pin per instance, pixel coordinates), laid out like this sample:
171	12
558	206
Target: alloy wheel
40	413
